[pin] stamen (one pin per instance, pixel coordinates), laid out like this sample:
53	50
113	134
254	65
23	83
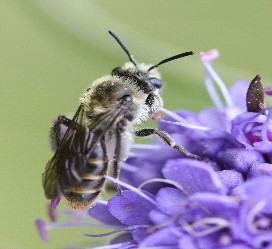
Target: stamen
187	125
203	128
120	245
200	205
131	188
213	93
217	79
252	214
221	85
218	224
54	203
210	55
225	239
72	213
263	223
171	220
174	115
146	146
42	229
102	202
52	214
54	226
125	229
177	185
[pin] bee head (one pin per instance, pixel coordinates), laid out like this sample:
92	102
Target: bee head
147	74
145	78
141	82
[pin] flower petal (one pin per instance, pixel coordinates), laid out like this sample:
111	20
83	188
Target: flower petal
163	237
231	178
168	200
238	246
101	213
130	209
213	118
158	217
257	189
263	146
238	94
121	238
239	159
263	241
215	240
217	205
187	242
139	234
194	176
243	125
260	169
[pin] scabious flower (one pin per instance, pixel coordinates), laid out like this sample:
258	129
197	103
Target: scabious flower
171	201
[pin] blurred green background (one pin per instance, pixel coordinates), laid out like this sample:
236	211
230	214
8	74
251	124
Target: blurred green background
51	50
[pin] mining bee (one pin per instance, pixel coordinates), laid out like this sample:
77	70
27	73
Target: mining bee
101	131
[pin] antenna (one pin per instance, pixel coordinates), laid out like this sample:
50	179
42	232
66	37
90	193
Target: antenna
123	46
171	59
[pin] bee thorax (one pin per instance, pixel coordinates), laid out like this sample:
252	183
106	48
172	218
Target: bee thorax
119	140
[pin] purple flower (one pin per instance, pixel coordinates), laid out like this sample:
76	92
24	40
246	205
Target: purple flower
254	131
239	159
255	220
171	201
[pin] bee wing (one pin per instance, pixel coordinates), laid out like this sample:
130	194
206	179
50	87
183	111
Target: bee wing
50	181
49	177
72	139
76	123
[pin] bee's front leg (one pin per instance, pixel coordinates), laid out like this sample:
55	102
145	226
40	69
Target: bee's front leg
117	153
58	130
170	141
116	174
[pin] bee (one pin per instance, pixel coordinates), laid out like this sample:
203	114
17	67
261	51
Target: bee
99	135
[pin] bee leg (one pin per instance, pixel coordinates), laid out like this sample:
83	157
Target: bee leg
57	132
170	141
117	158
116	174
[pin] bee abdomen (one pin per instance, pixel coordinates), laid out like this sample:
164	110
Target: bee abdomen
95	168
84	195
90	169
81	201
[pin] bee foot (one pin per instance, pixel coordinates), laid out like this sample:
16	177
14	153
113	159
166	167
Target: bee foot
119	190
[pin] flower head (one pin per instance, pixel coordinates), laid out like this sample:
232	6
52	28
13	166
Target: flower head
175	202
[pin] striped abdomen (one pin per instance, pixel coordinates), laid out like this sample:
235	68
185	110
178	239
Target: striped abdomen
84	175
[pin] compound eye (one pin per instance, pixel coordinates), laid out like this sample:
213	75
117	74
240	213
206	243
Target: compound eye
155	82
115	70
